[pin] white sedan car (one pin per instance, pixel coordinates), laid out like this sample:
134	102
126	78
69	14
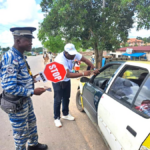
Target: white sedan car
118	103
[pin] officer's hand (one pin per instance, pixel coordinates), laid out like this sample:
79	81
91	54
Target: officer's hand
96	72
87	73
35	77
39	91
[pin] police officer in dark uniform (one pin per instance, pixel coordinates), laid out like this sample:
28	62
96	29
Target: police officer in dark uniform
18	87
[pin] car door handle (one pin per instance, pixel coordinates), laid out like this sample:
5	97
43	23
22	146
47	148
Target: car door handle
131	131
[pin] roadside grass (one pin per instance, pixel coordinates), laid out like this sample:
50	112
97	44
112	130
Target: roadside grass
83	66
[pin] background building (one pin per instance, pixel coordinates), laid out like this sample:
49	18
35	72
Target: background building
136	49
135	42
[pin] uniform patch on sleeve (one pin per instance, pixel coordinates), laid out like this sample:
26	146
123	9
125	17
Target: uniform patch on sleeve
10	69
15	62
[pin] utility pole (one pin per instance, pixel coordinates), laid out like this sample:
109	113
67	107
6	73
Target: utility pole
103	3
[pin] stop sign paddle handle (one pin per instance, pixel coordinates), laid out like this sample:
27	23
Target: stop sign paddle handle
41	77
38	79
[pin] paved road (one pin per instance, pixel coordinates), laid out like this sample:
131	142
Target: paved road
74	135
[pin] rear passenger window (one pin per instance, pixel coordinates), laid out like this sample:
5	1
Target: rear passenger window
142	102
127	84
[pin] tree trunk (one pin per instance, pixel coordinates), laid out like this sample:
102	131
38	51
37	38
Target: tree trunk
98	57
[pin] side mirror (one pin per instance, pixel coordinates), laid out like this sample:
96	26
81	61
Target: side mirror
84	79
92	79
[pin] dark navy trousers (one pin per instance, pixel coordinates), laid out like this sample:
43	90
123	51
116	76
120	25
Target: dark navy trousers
61	95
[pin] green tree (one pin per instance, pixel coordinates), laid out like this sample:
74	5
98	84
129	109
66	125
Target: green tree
135	44
33	49
38	49
54	44
89	23
139	38
145	40
148	39
5	49
125	45
142	11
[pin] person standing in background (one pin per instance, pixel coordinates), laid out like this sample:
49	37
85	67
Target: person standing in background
93	58
50	56
45	57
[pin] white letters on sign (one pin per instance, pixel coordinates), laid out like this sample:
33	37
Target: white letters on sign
55	72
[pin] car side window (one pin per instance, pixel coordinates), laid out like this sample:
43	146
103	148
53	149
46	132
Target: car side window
102	79
127	84
142	102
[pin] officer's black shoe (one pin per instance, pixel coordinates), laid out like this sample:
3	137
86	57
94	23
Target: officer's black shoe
38	147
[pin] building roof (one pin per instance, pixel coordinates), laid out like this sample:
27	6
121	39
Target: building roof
134	54
136	48
134	40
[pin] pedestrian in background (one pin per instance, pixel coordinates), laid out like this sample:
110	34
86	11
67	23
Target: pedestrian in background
45	57
93	58
18	87
50	56
62	89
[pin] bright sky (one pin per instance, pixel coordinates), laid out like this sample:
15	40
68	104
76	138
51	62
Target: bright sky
21	13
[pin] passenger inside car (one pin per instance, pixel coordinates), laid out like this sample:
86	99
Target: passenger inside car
140	79
124	89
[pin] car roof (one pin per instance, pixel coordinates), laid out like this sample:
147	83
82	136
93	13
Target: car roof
143	64
131	62
116	62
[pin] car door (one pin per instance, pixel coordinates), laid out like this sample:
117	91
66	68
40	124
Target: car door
93	91
122	123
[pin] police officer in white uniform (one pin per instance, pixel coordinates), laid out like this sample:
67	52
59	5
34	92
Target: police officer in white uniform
18	87
62	89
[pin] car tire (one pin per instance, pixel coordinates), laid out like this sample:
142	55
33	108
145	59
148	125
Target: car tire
78	101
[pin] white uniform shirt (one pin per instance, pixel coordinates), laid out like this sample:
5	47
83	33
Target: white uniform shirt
68	64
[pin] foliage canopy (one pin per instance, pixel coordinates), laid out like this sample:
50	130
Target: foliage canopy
92	23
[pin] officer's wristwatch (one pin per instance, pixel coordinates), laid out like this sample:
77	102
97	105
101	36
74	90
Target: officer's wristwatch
94	69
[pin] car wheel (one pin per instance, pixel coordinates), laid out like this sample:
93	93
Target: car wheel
78	101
